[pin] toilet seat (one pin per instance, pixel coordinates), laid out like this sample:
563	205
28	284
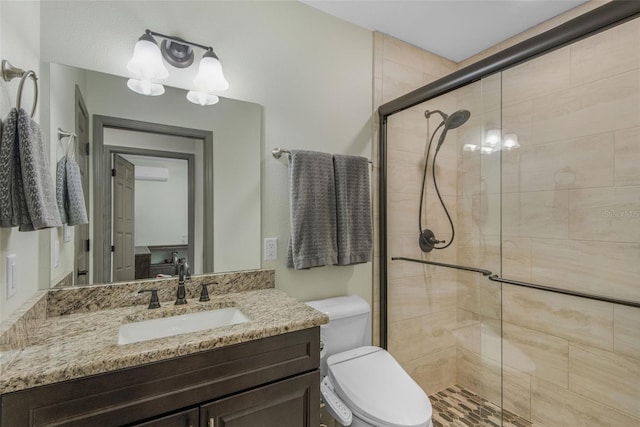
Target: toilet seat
376	388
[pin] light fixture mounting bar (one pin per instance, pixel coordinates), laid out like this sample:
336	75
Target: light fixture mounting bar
178	40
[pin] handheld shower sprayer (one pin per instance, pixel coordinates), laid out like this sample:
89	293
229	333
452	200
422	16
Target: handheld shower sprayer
427	239
453	121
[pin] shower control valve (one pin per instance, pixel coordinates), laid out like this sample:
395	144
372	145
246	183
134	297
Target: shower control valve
428	240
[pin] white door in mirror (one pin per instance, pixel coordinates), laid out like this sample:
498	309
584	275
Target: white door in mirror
175	325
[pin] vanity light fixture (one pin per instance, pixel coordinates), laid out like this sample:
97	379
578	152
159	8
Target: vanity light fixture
147	67
495	141
510	141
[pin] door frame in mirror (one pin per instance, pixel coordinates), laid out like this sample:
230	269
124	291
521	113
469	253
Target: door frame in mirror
102	187
110	150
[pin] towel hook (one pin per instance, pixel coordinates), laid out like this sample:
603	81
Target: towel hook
9	72
64	134
72	138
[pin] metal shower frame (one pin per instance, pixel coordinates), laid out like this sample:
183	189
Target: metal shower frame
602	18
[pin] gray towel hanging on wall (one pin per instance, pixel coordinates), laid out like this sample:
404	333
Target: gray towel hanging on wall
26	189
353	207
312	210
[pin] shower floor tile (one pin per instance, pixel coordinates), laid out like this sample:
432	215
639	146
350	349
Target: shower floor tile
458	407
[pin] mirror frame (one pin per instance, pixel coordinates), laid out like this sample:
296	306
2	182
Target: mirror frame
102	187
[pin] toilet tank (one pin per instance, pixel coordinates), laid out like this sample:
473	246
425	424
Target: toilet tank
349	325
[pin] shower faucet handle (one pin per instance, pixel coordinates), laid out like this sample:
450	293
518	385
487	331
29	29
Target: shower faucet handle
428	241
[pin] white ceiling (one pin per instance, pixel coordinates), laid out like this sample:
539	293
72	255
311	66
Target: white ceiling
454	29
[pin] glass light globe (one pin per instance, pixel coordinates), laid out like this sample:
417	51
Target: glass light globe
202	98
146	61
487	150
210	77
510	141
145	87
492	139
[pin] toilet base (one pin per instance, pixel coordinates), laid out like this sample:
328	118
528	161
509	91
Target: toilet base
357	422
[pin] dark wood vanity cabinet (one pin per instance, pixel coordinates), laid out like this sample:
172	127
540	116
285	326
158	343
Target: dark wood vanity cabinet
187	418
267	382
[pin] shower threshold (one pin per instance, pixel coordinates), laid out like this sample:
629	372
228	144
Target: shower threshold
456	406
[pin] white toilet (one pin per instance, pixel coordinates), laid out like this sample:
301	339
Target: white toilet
362	385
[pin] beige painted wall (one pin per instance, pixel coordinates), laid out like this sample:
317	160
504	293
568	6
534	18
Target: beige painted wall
20	44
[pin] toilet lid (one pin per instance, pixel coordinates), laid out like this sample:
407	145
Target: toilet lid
374	385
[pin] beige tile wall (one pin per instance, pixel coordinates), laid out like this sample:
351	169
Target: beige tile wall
571	219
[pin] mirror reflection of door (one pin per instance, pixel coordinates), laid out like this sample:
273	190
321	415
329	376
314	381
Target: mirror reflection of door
166	199
123	219
82	153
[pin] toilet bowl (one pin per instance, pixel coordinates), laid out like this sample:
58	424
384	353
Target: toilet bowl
363	385
377	390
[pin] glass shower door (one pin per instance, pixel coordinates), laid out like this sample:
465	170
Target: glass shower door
444	324
571	220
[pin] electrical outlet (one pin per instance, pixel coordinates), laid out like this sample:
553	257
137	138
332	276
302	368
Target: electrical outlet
11	275
270	248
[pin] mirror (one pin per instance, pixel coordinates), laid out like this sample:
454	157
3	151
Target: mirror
221	208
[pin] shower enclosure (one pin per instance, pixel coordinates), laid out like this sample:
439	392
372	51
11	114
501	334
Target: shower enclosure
532	315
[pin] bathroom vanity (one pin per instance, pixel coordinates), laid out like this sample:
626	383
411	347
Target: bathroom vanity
72	371
267	382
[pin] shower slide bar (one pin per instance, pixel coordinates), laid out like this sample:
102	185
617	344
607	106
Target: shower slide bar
496	278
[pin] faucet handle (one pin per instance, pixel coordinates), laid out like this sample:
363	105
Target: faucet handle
204	294
155	302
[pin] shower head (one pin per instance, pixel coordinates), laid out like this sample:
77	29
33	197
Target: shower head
455	120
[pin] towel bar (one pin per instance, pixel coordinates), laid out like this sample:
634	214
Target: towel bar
278	152
9	72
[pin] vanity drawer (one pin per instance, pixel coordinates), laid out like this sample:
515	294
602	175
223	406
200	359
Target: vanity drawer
126	396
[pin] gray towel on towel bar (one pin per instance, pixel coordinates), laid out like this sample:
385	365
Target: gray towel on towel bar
27	197
353	206
13	207
312	210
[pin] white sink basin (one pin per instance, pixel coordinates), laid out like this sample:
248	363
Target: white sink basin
175	325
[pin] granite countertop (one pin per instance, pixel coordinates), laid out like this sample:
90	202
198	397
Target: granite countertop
81	344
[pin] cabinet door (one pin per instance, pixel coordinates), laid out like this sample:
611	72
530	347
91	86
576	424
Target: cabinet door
290	403
188	418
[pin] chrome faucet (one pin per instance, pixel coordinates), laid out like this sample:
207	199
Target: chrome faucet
183	272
